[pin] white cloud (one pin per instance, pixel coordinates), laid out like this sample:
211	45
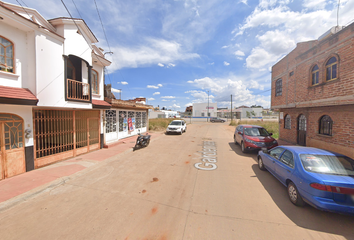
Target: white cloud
160	65
221	90
171	65
123	83
314	4
169	97
223	47
151	99
151	52
243	1
175	106
165	100
156	93
239	53
159	85
259	58
226	63
152	86
211	63
116	90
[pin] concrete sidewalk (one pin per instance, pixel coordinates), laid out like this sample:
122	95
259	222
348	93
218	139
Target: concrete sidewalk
23	186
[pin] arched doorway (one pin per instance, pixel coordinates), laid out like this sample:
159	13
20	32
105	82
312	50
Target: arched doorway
301	130
12	146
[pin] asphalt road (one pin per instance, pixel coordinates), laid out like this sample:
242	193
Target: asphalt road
159	193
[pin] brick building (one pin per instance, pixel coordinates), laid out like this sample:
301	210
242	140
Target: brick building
313	88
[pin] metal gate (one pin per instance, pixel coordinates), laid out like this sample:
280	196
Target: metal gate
12	147
301	132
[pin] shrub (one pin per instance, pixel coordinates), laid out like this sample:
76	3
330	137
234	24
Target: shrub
160	124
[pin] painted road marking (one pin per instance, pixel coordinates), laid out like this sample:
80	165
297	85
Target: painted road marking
208	157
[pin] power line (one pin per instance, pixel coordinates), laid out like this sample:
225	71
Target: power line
24	9
104	32
77	9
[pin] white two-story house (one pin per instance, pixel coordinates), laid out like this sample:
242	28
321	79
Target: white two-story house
51	90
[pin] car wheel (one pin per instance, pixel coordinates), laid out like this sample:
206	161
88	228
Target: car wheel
294	195
147	143
243	149
235	140
181	132
185	129
260	164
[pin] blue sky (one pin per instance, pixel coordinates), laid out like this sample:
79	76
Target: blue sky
174	51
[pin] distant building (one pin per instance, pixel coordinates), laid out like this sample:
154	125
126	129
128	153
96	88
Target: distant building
164	114
201	109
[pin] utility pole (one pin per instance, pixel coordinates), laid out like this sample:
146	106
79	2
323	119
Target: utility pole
231	107
208	107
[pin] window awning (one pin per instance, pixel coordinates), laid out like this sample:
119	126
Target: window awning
100	104
18	96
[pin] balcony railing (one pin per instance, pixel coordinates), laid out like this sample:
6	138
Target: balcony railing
77	90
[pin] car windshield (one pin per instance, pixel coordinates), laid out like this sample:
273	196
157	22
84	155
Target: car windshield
327	164
176	123
256	132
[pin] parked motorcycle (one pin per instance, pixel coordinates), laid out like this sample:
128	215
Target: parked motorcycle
142	141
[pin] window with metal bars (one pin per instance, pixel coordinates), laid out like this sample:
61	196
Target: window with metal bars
278	87
287	122
111	121
53	132
143	119
325	125
122	124
138	120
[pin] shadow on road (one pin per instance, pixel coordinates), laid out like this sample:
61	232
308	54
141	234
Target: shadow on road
237	150
307	216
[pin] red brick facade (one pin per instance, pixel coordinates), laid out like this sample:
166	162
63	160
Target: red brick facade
334	98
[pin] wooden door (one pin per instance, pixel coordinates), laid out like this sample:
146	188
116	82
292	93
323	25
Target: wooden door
301	132
12	154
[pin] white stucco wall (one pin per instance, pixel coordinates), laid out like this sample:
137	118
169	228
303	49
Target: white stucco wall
19	39
199	108
49	71
75	44
99	69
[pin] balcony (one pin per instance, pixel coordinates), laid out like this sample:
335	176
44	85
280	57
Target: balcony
78	91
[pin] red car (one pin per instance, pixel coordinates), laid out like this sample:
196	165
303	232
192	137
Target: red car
252	137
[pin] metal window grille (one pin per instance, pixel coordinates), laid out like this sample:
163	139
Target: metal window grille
287	124
122	115
326	124
13	131
86	128
53	132
143	119
131	115
302	123
278	87
111	121
138	120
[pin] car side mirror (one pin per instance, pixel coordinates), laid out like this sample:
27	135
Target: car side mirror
270	134
239	132
265	150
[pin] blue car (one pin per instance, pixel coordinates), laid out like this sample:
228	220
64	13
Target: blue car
323	179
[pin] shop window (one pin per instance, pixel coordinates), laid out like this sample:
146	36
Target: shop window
287	122
6	55
326	124
278	87
331	69
315	75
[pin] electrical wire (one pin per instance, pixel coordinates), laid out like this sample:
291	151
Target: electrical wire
104	32
24	9
77	9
